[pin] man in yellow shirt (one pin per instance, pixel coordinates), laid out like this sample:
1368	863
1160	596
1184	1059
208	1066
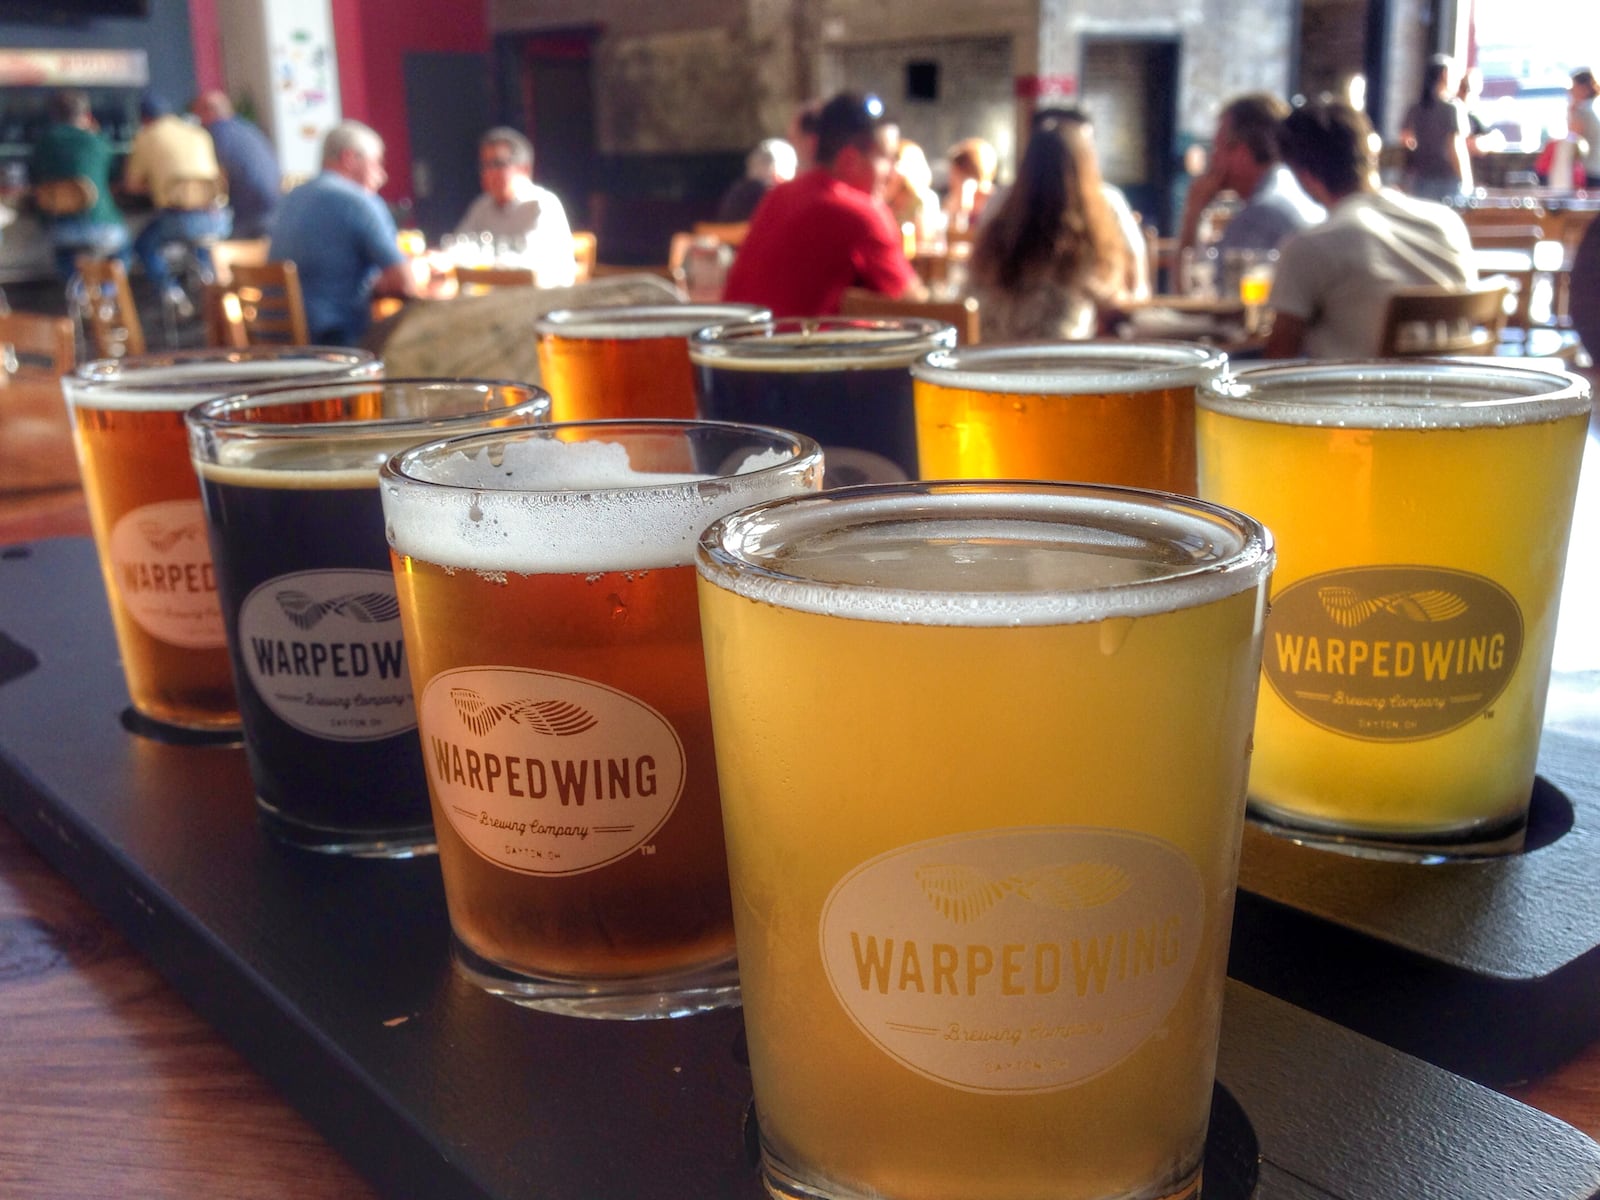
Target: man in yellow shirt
170	161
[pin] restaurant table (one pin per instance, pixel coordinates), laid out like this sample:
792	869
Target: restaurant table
111	1085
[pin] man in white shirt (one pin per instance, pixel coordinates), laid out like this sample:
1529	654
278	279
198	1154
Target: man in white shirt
513	208
1334	280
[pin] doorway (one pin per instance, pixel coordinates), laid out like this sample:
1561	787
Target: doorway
545	87
447	108
1130	87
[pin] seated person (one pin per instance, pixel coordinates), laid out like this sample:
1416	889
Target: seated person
911	197
771	162
828	229
973	164
515	209
1333	282
340	235
255	182
71	147
169	151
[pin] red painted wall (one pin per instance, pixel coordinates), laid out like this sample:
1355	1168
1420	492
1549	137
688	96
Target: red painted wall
204	33
373	37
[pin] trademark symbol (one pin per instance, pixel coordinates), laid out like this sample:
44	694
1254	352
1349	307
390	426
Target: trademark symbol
647	849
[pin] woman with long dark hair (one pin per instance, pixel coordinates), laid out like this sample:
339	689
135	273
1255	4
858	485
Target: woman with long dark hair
1052	254
1435	132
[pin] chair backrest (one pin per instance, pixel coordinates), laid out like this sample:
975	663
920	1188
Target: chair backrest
1521	236
223	316
481	279
191	195
65	197
1442	320
42	343
272	304
111	322
252	252
963	314
731	232
585	250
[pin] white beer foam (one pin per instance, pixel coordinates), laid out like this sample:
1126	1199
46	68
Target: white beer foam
1071	370
635	323
962	560
1389	395
183	385
824	350
540	506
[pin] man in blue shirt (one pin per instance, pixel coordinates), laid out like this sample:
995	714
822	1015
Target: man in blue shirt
342	238
255	183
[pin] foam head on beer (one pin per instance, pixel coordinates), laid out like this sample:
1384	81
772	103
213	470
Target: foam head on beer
500	501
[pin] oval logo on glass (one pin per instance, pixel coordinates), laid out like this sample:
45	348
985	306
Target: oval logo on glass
1392	653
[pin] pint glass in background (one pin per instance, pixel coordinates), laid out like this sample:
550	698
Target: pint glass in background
983	751
289	478
630	362
1097	412
149	530
843	381
1421	511
547	588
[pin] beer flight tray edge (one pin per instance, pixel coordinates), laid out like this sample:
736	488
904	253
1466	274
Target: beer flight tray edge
332	978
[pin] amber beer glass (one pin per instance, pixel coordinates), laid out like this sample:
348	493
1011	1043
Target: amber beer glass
628	362
547	591
843	381
1422	512
983	752
289	478
1098	412
149	530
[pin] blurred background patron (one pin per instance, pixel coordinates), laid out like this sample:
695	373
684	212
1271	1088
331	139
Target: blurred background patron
255	183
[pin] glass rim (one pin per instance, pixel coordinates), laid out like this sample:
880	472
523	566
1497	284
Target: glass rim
398	468
1026	368
806	341
638	322
219	416
1420	393
1237	569
115	372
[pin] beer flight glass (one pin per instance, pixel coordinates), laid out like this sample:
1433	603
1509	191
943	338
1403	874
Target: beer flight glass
1096	412
289	478
547	592
631	361
840	380
149	530
983	947
1421	511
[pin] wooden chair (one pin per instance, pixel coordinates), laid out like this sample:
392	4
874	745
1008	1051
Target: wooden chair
1440	320
252	252
222	316
482	279
729	232
963	314
271	304
585	250
35	434
65	197
1515	242
110	321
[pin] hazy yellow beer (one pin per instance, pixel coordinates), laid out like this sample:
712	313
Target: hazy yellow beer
983	752
1099	412
630	362
149	528
548	599
1421	512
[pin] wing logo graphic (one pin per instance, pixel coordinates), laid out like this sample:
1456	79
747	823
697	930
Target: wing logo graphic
1345	606
163	537
369	608
557	718
962	894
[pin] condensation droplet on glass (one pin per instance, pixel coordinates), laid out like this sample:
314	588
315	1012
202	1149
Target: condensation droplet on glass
619	610
1020	406
475	513
1113	633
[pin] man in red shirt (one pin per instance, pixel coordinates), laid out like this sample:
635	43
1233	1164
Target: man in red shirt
828	229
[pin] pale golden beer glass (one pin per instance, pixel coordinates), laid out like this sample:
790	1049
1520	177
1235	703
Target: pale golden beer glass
983	750
149	528
1421	511
626	362
547	593
1096	412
